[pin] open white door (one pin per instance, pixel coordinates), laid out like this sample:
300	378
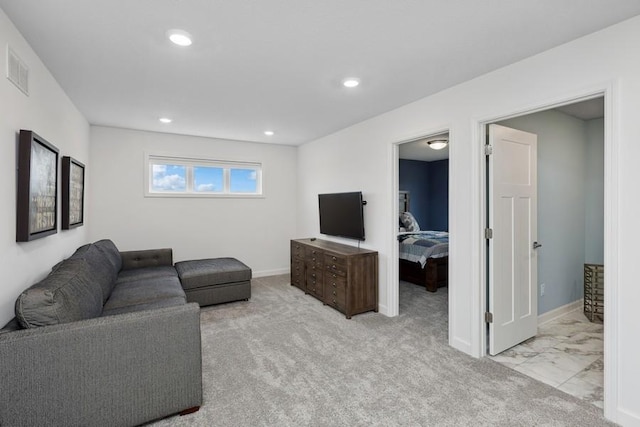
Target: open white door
513	301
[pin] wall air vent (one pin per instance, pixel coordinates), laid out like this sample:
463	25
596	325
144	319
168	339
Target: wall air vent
17	71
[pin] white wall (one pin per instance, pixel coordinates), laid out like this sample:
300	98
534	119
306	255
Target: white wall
362	157
594	185
562	195
48	112
256	231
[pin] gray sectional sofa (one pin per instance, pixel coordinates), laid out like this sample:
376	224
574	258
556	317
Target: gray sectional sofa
106	339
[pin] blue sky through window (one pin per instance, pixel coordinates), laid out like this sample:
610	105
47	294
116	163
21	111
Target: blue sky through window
169	178
243	181
208	179
205	178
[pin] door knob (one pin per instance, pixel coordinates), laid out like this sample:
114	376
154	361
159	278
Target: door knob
536	245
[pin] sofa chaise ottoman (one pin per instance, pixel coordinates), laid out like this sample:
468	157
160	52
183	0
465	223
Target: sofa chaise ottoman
214	280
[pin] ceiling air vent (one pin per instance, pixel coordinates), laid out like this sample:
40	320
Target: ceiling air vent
17	71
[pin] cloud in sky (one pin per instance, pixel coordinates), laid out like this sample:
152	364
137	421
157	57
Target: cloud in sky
169	183
206	187
166	179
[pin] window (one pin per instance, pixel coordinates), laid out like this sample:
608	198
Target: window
189	177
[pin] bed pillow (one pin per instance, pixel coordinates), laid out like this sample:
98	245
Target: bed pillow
409	222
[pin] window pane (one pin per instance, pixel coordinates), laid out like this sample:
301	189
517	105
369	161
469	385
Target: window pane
169	178
244	181
207	179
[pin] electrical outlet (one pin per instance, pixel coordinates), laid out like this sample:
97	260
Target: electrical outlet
542	286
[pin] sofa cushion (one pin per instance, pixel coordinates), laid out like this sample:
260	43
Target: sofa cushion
144	291
67	294
111	252
146	273
101	269
149	305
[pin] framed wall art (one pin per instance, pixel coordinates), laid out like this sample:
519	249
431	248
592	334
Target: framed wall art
72	193
37	207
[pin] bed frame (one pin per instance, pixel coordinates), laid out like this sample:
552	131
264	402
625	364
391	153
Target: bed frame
435	273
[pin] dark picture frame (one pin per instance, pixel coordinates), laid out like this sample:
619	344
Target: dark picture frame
37	198
72	193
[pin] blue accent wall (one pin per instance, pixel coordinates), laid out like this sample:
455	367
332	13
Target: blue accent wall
428	187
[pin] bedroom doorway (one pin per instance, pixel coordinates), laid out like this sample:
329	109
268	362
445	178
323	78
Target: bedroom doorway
423	226
570	230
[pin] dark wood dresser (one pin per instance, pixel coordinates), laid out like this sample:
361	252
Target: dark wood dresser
342	276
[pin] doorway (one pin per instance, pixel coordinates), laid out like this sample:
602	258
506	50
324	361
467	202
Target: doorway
571	231
422	229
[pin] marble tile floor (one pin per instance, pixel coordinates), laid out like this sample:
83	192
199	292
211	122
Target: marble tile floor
567	354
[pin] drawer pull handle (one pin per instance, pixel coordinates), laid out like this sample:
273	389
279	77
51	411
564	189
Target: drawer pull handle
334	276
333	266
334	292
333	258
334	301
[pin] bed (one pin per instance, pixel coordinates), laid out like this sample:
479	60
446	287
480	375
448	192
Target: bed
424	257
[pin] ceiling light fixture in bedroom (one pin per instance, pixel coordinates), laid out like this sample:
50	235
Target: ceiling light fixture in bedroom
351	82
438	143
180	37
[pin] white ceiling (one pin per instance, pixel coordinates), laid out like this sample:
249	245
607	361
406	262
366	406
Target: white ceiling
278	64
585	110
420	150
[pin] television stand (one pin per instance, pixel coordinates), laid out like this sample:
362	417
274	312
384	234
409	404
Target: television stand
341	276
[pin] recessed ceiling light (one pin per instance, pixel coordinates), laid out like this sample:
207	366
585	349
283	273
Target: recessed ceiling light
269	132
165	120
180	37
351	82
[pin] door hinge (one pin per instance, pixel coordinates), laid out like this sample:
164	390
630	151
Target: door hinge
488	233
488	317
488	150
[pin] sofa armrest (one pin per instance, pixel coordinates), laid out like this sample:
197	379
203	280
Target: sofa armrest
125	369
147	258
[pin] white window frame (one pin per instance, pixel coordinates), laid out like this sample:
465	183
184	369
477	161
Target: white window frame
190	163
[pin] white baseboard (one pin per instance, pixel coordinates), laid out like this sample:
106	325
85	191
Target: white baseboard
627	418
265	273
559	312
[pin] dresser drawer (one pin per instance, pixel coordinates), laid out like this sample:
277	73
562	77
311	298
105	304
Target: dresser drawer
314	257
316	275
335	296
333	280
315	284
297	271
297	250
335	261
335	268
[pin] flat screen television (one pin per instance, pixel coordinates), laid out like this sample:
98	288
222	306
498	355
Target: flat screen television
341	215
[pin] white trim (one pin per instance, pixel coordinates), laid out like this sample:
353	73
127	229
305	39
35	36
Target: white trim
392	307
611	242
190	162
559	312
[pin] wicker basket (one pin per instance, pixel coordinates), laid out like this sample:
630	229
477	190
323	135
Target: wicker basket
594	292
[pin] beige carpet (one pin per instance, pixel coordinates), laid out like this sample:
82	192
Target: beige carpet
284	359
